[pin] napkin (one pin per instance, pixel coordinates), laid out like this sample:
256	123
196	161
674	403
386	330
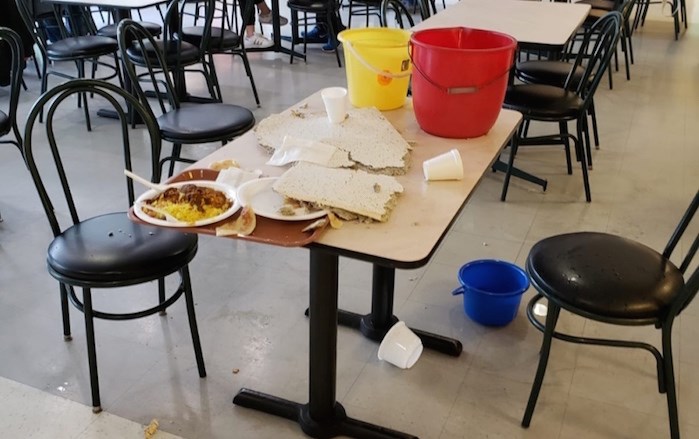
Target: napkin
234	177
295	149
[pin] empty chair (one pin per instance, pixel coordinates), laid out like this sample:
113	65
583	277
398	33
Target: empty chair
103	249
402	16
322	12
223	39
179	124
549	103
619	281
80	49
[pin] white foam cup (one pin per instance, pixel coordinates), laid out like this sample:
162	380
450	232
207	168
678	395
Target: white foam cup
447	166
335	100
400	346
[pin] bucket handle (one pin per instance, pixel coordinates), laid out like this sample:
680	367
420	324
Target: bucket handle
366	64
468	89
460	290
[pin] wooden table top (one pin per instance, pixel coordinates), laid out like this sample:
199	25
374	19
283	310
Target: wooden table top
425	210
532	22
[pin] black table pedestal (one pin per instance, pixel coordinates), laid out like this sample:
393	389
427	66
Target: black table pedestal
376	324
323	416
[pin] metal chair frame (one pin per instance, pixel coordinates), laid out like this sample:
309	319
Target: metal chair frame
664	360
52	99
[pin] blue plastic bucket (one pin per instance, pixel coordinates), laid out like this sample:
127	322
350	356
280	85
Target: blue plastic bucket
492	290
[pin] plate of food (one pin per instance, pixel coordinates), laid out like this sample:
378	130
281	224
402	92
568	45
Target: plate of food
187	204
266	202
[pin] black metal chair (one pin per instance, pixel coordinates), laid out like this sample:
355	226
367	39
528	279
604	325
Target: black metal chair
366	8
548	103
402	17
8	120
317	8
614	280
107	250
223	39
180	55
79	49
179	124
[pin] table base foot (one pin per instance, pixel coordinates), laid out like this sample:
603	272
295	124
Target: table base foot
337	425
365	324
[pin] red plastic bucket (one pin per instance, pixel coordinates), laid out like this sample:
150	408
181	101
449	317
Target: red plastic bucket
459	79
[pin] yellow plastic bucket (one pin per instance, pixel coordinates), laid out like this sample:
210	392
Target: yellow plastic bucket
377	66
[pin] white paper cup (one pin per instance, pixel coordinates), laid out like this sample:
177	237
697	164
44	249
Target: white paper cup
447	166
335	100
400	346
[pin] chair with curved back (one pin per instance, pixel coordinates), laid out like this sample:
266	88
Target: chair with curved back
178	123
615	280
326	9
8	120
180	55
549	103
223	39
401	15
105	250
79	49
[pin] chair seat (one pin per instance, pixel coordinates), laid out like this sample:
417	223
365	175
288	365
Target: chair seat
220	39
112	249
111	29
81	47
604	275
187	54
543	102
214	121
5	123
547	72
308	5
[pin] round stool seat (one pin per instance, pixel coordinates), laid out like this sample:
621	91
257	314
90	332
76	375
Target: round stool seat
604	275
111	29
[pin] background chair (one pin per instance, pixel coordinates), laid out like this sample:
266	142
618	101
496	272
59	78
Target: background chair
105	250
181	125
222	40
8	120
618	281
327	9
79	49
548	103
402	17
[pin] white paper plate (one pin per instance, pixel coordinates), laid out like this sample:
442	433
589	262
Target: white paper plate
259	195
229	191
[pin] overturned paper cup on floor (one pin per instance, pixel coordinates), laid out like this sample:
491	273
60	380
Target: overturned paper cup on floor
400	346
335	100
447	166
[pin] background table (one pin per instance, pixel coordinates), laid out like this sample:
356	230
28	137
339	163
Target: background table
534	24
421	219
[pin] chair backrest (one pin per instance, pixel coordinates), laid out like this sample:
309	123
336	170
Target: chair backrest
686	235
42	157
595	52
177	14
13	40
132	37
30	23
402	15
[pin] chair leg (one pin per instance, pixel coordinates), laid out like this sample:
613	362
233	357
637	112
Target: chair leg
186	284
294	33
81	74
176	151
670	381
580	153
593	116
563	126
551	320
248	70
65	312
91	350
514	142
161	294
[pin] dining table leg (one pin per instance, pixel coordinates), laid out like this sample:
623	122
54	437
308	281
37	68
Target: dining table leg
322	416
376	324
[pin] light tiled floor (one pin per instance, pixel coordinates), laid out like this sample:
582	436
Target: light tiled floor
250	298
